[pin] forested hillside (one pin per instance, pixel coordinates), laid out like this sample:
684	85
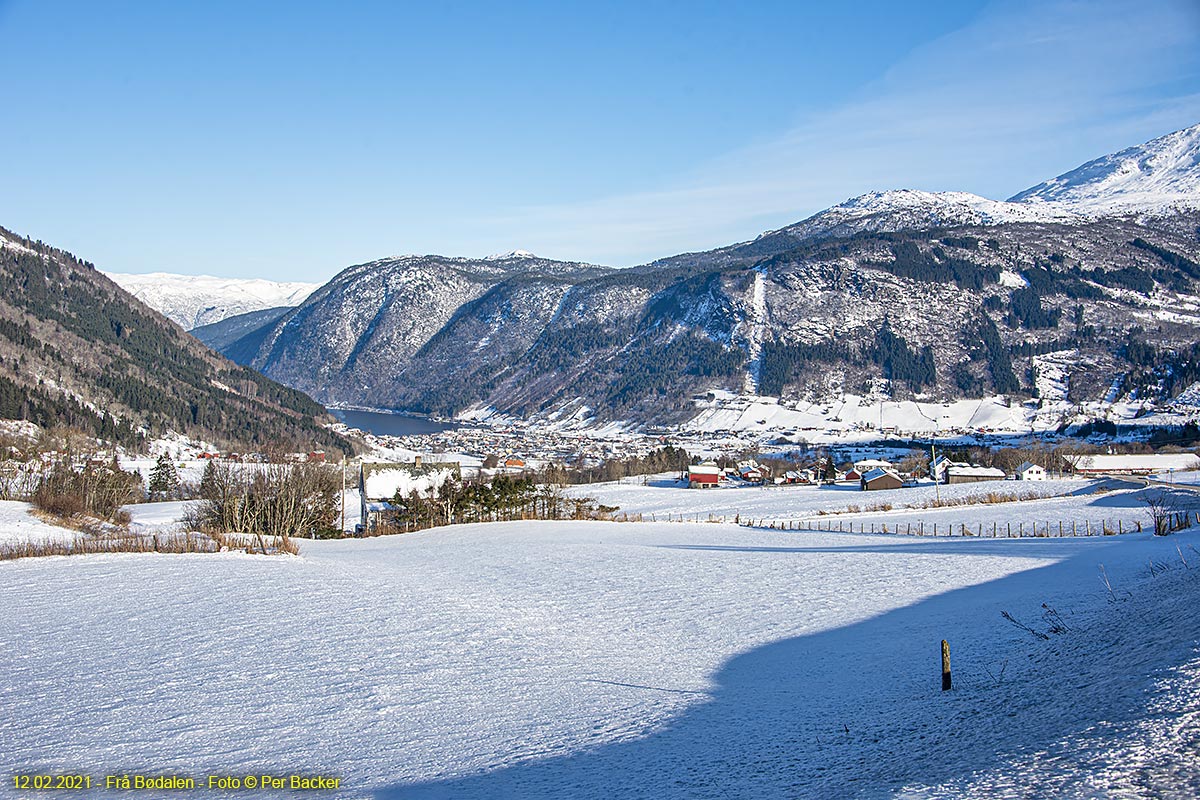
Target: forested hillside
77	350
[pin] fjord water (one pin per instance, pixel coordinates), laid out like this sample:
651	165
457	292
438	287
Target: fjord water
390	424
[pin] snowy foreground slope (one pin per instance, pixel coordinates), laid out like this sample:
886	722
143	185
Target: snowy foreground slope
605	660
17	525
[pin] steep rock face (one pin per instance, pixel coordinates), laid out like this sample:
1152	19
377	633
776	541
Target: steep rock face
354	338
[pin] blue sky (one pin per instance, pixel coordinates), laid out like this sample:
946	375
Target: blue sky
288	140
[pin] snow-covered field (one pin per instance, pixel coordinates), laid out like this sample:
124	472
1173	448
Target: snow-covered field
1089	504
596	659
850	418
18	525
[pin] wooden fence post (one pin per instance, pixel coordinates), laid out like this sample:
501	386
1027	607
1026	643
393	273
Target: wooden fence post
946	682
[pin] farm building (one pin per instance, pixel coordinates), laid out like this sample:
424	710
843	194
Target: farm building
751	472
973	474
704	476
1031	472
379	483
1146	464
790	477
937	469
880	478
867	464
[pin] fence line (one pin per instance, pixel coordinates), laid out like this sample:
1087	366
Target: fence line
997	530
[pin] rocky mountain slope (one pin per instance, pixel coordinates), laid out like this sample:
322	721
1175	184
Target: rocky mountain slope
77	350
194	300
903	293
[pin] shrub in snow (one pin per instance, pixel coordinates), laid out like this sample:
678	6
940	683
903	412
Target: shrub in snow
68	490
280	500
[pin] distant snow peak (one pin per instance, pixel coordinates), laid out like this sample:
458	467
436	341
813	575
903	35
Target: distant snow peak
512	254
1160	176
1157	176
195	300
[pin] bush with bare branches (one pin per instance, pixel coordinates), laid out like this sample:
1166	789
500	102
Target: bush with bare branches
68	490
279	500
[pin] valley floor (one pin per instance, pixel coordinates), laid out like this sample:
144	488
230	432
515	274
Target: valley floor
607	660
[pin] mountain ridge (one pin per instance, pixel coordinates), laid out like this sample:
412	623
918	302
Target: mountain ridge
1159	174
904	292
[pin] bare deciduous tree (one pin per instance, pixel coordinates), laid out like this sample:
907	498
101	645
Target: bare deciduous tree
1162	510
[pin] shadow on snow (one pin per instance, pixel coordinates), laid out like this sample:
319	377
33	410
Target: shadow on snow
855	711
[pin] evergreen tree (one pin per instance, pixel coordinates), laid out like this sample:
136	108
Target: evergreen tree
209	488
164	479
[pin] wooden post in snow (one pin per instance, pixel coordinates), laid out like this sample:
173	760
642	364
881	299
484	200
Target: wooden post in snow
945	666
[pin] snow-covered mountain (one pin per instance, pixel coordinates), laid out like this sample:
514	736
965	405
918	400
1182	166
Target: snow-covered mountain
195	300
940	294
1161	174
905	209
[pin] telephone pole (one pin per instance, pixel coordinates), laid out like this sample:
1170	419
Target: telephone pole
937	489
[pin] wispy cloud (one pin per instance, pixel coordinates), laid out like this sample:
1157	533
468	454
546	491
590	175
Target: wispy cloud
1026	91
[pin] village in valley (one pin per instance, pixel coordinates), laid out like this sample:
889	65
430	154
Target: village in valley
390	486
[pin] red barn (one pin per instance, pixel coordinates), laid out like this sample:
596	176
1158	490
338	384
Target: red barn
704	476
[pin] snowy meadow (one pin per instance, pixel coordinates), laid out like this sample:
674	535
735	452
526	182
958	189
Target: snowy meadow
601	659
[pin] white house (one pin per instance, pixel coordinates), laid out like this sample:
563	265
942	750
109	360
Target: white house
379	483
1031	472
941	464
